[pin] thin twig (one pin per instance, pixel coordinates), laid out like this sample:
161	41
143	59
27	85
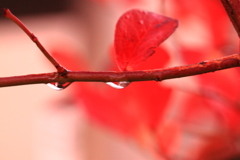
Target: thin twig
131	76
7	13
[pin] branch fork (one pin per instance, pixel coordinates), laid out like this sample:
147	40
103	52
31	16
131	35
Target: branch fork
64	76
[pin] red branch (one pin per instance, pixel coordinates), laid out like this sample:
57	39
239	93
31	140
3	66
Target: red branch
7	13
63	75
146	75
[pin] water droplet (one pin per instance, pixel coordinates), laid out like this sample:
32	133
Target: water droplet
58	86
141	22
127	16
118	85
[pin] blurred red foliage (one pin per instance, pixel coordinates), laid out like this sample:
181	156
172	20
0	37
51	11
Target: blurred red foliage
185	123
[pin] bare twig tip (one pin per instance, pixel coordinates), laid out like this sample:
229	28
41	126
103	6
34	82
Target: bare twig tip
6	11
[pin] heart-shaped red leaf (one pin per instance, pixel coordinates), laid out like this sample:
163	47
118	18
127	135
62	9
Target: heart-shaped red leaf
137	34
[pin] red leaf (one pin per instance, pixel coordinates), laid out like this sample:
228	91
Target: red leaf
137	34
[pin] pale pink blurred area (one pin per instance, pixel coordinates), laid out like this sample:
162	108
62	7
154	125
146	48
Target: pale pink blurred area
39	123
34	125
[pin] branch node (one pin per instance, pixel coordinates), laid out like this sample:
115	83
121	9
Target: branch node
62	72
33	37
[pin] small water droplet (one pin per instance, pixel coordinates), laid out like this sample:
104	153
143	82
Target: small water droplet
58	86
141	22
118	85
127	16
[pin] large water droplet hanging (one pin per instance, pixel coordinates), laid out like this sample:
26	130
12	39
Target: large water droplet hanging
58	86
118	85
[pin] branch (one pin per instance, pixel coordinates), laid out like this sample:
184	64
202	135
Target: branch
232	8
7	13
130	76
64	76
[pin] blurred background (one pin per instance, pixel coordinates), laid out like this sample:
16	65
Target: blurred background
190	118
